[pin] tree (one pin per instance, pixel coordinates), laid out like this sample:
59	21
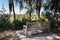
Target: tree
31	5
3	10
53	5
56	6
11	8
38	7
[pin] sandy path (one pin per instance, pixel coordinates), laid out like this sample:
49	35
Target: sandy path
41	36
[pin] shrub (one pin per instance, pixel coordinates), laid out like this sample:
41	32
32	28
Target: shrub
19	24
43	17
5	24
55	24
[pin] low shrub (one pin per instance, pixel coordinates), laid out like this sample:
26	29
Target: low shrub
55	24
5	24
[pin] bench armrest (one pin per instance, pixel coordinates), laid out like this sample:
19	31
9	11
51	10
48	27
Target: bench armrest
24	29
24	26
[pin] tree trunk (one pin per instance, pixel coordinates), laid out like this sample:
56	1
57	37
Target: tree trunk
30	15
14	14
38	7
30	10
56	16
37	15
14	17
38	12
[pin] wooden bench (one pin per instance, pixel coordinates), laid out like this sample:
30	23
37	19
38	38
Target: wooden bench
35	27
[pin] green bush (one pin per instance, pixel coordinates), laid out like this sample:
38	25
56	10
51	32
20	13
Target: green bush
5	24
55	24
43	17
19	24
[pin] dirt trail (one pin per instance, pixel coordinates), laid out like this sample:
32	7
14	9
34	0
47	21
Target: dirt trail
40	36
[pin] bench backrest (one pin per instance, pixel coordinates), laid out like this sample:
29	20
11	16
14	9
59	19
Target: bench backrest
38	25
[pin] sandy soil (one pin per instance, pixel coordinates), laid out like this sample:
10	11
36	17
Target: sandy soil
9	35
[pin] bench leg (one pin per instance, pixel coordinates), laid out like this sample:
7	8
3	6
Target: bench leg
25	32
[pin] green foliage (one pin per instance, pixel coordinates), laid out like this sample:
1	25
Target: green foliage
43	17
46	5
25	19
55	24
5	23
19	23
52	5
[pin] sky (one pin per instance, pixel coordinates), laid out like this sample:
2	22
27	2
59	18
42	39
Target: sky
5	3
17	11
